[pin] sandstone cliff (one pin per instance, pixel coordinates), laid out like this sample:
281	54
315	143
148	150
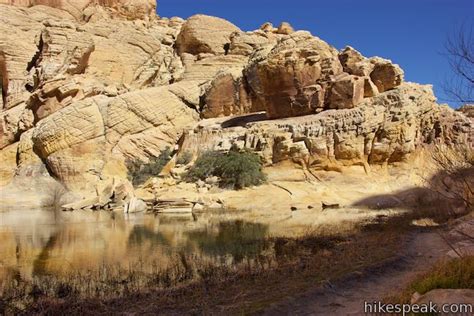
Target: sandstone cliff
86	85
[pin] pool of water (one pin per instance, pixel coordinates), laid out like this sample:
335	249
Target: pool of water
47	242
39	242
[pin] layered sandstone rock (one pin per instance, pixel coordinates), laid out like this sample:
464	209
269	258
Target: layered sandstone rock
66	62
136	9
203	34
381	130
87	85
290	79
107	131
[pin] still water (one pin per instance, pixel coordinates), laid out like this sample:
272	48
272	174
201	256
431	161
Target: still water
47	242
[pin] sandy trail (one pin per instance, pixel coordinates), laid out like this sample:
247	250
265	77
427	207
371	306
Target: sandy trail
347	297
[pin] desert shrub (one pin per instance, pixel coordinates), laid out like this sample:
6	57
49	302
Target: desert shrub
184	158
235	169
54	195
139	172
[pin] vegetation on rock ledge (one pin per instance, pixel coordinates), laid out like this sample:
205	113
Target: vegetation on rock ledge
235	169
139	172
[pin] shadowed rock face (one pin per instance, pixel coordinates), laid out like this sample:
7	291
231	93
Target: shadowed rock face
86	85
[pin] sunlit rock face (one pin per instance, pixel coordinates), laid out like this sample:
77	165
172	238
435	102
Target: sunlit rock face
87	85
136	9
384	129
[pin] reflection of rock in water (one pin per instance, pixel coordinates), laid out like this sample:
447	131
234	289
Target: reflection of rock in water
238	238
40	263
38	243
141	234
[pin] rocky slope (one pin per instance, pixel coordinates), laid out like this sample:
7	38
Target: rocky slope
86	85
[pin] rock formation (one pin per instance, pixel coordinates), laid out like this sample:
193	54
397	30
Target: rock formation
82	9
86	85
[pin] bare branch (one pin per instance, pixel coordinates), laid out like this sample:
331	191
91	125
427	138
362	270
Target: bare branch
459	50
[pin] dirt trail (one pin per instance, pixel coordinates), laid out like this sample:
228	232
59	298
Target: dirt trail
348	297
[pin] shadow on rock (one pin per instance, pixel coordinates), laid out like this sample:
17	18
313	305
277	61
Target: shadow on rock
447	194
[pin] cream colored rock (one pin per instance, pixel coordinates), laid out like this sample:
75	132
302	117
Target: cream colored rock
134	125
135	206
87	85
26	157
247	43
285	28
267	27
136	9
468	110
13	122
205	34
207	68
52	48
8	165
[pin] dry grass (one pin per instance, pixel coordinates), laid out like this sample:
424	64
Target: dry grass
197	285
448	274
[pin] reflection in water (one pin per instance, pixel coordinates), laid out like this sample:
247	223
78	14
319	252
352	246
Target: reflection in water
238	239
40	263
40	242
141	234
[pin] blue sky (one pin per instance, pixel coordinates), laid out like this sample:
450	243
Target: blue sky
409	32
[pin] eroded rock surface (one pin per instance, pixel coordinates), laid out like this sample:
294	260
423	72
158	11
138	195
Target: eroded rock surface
87	85
381	130
79	9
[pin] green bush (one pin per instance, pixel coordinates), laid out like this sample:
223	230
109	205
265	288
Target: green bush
235	169
184	158
139	172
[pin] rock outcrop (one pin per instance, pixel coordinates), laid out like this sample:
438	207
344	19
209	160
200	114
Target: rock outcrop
82	9
87	85
203	34
381	130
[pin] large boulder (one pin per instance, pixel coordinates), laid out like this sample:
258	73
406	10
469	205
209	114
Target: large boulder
346	92
228	95
205	34
292	78
382	72
108	131
386	76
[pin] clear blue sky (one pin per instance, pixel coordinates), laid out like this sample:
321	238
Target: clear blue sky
409	32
